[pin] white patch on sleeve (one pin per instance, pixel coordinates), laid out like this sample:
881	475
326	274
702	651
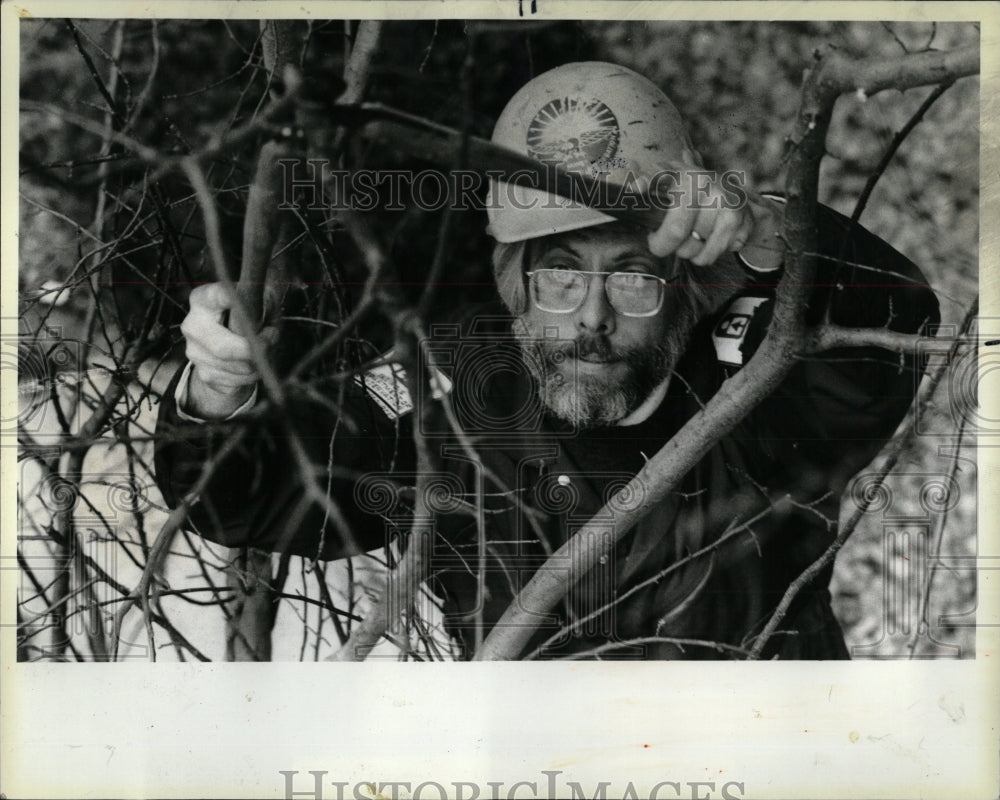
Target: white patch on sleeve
386	385
731	329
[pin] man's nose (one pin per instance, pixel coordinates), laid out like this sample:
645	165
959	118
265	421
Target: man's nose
596	314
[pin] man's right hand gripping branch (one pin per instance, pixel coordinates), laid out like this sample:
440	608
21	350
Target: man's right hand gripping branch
223	377
611	338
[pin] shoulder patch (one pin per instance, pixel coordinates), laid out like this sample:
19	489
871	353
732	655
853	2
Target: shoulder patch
731	329
386	385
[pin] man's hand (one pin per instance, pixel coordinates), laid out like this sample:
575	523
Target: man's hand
702	224
223	376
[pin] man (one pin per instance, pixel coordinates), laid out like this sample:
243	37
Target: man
613	338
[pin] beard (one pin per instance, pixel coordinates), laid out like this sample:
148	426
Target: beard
591	400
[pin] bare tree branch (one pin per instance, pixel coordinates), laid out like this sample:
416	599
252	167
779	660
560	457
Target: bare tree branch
831	76
938	534
894	449
894	145
829	337
161	545
358	66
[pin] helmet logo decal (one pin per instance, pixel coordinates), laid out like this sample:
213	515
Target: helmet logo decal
573	133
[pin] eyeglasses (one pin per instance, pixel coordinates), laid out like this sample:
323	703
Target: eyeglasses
562	291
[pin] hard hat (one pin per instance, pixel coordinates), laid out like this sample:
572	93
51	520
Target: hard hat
592	117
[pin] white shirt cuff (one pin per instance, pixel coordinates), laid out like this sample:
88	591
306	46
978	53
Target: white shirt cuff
181	399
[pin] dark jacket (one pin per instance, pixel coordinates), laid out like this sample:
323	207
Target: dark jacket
771	487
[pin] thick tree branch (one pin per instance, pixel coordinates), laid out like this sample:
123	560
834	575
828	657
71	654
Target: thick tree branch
358	66
829	337
871	75
831	76
248	628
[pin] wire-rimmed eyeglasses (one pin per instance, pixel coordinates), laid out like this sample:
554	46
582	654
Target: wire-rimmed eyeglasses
562	291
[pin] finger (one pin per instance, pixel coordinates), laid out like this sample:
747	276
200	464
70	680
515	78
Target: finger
212	297
240	393
743	232
674	232
241	370
691	247
201	326
198	352
222	382
727	223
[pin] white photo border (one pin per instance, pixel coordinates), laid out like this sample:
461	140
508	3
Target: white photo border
816	729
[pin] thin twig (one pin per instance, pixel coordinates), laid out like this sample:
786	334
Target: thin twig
161	546
894	146
923	624
679	642
893	451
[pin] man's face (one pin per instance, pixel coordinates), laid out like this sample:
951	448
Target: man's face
595	364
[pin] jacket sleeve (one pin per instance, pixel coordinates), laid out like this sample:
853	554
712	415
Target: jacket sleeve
255	496
836	409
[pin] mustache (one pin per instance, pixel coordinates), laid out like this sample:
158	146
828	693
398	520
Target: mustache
585	346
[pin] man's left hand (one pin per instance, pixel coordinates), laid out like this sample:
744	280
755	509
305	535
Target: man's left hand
702	225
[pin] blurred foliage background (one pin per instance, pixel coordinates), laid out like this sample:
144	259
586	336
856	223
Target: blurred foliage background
96	224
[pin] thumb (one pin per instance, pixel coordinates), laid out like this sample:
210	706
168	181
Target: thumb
212	297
